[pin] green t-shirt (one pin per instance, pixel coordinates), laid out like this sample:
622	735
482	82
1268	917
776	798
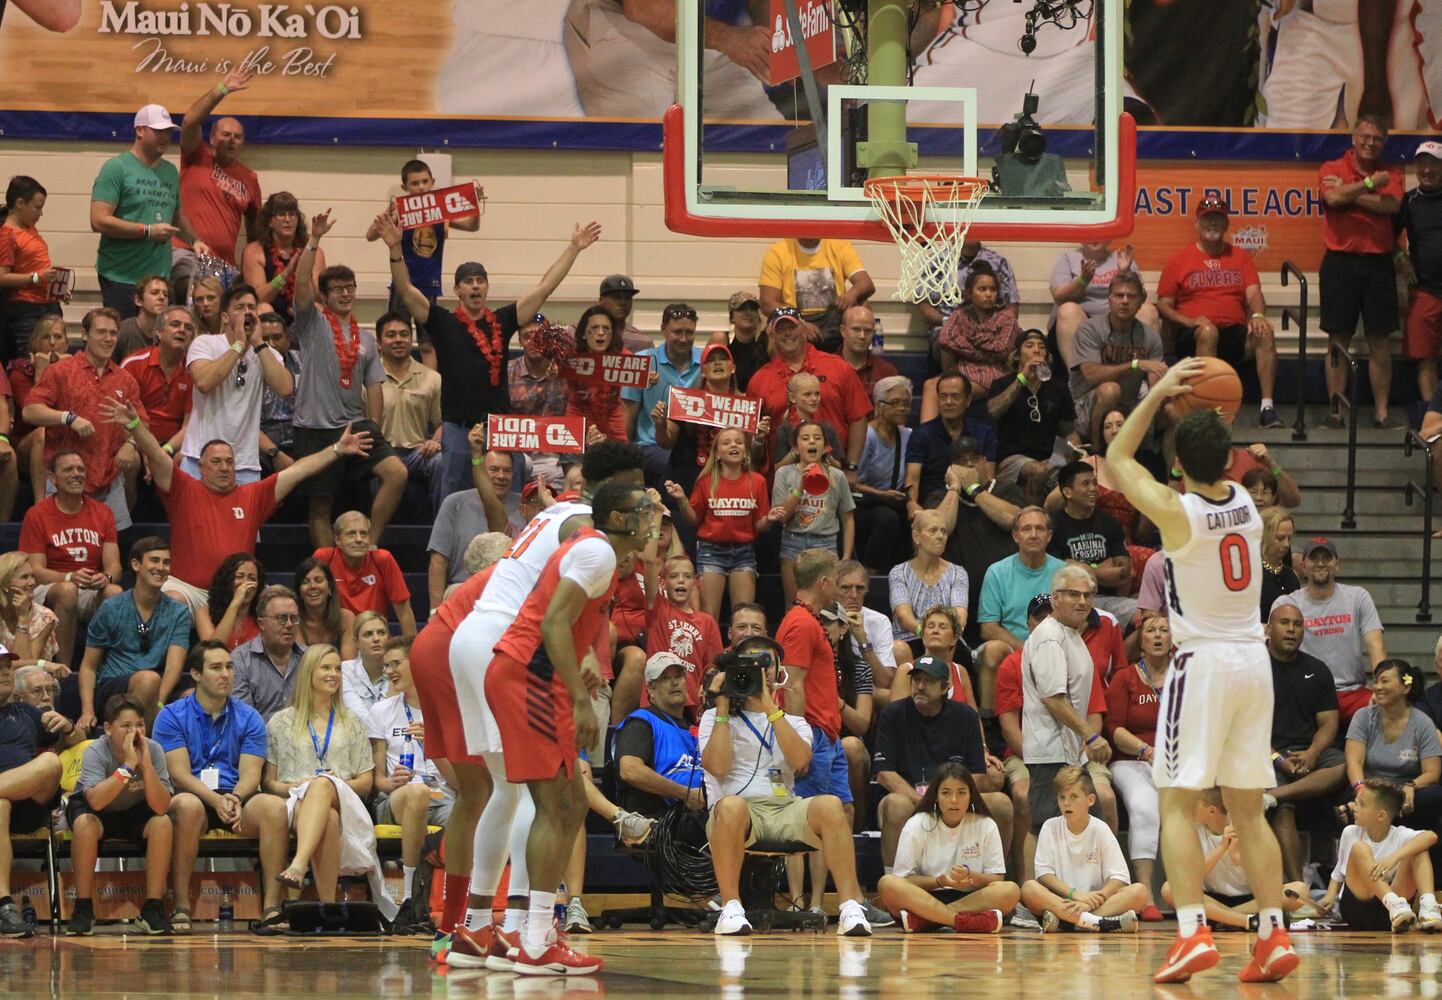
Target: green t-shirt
140	194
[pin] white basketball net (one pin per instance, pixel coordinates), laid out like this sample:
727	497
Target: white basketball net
930	256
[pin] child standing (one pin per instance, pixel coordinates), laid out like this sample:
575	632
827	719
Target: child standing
1081	876
812	520
1228	897
673	627
803	392
726	508
950	866
1382	866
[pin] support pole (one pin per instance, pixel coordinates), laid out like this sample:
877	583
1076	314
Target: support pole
886	151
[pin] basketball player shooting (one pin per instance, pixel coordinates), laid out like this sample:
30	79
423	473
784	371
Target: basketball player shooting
1216	707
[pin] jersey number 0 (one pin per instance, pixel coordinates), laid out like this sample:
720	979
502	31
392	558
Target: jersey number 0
1236	569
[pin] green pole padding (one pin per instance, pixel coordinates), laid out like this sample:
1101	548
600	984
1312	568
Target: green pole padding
886	151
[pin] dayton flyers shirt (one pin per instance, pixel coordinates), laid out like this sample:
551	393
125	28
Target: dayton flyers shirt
728	516
70	541
1212	286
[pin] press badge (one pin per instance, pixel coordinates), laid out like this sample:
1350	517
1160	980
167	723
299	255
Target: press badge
210	778
778	787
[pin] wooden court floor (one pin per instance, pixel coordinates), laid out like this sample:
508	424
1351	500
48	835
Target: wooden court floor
1015	965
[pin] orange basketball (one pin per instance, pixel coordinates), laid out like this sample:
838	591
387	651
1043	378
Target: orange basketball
1216	387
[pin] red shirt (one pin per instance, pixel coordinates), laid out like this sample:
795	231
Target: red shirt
245	630
691	635
69	541
453	610
804	644
72	383
22	380
1214	286
1008	697
31	255
216	524
1351	229
598	402
1108	647
376	585
629	613
843	399
729	517
523	638
1131	704
167	399
873	370
215	199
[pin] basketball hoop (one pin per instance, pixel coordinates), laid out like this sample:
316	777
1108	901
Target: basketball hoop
911	206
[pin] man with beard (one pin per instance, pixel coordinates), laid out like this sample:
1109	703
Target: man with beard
1344	630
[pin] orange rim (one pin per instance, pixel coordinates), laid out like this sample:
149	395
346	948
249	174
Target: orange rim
915	186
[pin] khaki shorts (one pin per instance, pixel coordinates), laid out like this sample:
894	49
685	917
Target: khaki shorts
1099	772
188	594
86	601
776	820
1016	770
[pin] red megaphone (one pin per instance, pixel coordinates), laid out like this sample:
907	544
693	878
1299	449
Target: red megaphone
815	480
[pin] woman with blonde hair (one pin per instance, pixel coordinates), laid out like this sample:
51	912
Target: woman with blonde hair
364	676
312	740
27	627
205	295
924	581
1278	575
48	343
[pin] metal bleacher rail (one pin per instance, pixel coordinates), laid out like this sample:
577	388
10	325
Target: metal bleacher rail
1298	316
1415	441
1341	355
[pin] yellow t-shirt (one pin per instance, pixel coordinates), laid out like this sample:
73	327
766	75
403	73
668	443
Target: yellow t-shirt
812	282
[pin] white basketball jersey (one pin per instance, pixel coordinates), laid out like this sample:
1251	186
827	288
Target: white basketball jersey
516	574
1214	582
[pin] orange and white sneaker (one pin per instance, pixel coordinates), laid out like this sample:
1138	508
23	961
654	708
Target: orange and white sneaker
1272	959
557	960
469	948
505	946
1188	956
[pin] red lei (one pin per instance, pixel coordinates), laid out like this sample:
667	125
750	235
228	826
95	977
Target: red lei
490	347
346	352
287	288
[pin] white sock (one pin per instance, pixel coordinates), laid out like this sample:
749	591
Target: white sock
538	923
890	869
1387	899
1190	919
1090	920
1269	920
409	872
1425	899
476	919
1266	402
515	917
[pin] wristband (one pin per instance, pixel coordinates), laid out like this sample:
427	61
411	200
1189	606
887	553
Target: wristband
1357	786
1368	184
1093	738
133	424
222	89
146	234
1276	756
478	461
1141	750
68	576
398	260
277	281
168	448
313	247
70	416
1259	315
124	773
867	647
1136	364
1021	377
41	663
775	716
5	438
34	277
723	718
335	447
796	493
1071	894
972	490
237	347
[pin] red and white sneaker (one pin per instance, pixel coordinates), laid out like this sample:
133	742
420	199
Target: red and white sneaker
470	948
1272	959
912	924
1187	957
1151	914
505	946
985	922
556	960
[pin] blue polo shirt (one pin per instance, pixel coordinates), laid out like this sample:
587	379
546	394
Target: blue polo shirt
930	447
648	397
116	629
212	742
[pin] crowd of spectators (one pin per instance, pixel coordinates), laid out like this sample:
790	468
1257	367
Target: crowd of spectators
986	708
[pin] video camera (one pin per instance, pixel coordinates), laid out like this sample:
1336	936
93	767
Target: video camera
1022	137
743	674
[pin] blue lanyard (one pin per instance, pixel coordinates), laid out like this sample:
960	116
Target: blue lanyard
761	739
320	751
410	720
224	727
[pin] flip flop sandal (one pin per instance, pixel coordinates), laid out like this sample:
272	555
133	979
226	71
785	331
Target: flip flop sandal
180	922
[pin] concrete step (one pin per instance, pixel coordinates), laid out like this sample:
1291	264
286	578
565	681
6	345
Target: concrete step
1311	521
1335	476
1367	501
1360	550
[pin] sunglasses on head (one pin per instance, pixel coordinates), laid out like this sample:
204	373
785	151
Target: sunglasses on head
783	311
677	311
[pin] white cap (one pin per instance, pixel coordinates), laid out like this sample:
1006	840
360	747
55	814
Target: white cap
1429	148
659	662
154	116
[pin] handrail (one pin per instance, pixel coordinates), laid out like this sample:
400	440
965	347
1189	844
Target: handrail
1299	317
1413	441
1340	355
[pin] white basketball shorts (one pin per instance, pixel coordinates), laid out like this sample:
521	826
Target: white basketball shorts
1214	725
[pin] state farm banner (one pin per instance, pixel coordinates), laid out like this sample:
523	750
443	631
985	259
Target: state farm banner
438	205
696	406
614	370
555	435
817	28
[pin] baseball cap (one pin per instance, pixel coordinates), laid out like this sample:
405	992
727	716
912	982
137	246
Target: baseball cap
1038	606
1212	205
789	313
617	284
471	269
933	667
1429	148
1320	542
529	490
1032	334
833	612
659	662
711	349
154	116
742	298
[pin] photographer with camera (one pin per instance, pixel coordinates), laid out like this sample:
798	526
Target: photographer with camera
751	758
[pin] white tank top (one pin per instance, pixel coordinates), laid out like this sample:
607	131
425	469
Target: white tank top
516	574
1214	582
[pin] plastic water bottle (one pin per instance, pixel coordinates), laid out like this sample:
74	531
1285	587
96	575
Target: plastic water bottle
27	912
878	336
408	755
1043	372
227	912
561	907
